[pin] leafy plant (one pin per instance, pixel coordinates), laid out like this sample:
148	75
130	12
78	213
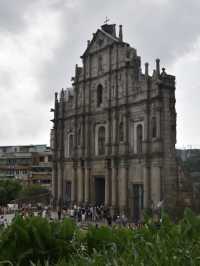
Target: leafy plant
36	241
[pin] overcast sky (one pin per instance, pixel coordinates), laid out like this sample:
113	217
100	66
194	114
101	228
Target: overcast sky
42	40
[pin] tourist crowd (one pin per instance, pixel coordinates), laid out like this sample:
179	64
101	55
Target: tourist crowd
82	215
93	214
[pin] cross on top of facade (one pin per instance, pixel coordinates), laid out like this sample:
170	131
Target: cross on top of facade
106	21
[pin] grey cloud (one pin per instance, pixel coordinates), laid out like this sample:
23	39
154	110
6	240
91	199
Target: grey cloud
12	15
156	28
13	12
165	29
6	83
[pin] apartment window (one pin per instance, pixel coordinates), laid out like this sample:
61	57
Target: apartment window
41	159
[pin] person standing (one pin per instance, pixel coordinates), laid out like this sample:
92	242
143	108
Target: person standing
59	213
2	222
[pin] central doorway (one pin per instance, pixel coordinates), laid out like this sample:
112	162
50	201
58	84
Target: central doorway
99	190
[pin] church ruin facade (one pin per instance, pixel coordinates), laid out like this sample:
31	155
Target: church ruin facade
114	132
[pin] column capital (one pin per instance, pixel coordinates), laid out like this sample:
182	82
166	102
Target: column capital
115	163
107	163
124	163
87	164
75	164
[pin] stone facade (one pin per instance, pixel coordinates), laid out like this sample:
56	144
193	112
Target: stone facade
114	132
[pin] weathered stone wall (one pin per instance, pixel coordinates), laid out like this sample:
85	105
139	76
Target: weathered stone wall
131	98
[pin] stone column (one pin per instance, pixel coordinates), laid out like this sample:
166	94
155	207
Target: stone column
107	186
123	188
126	133
86	136
145	127
158	123
114	133
75	184
114	186
54	182
80	185
73	191
155	185
87	184
147	191
83	179
59	183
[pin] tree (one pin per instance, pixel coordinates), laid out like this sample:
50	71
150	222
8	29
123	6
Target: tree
9	190
32	191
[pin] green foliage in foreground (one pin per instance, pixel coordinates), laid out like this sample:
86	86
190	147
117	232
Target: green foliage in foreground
35	241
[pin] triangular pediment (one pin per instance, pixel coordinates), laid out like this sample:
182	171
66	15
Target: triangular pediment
99	41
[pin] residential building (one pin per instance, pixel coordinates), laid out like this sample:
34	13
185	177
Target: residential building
27	163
